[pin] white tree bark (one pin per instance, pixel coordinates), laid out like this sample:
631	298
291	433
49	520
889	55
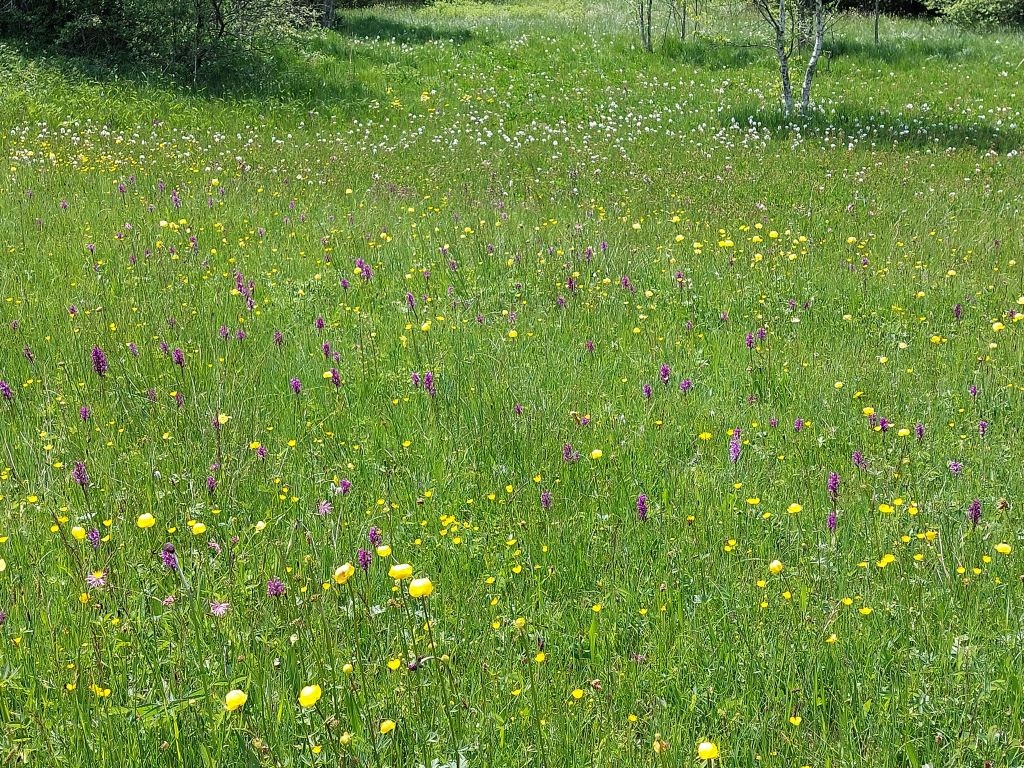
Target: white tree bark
783	54
812	63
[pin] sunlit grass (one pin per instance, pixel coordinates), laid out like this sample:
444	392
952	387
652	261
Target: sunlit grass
580	335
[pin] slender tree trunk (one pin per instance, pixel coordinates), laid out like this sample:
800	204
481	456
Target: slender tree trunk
812	64
682	30
783	54
878	7
649	23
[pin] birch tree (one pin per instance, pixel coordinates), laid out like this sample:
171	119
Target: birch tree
782	18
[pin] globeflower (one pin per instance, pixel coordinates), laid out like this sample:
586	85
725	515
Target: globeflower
387	727
234	700
146	520
400	571
775	566
707	750
420	588
343	573
309	696
1003	548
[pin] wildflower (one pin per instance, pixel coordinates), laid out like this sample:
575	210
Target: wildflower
974	512
775	567
169	557
665	373
858	460
296	386
343	573
956	467
641	507
707	750
735	446
400	571
421	588
234	700
94	537
1003	548
364	558
145	520
219	609
275	587
178	357
5	391
96	579
685	385
99	362
833	485
832	520
919	431
982	429
596	454
545	499
78	533
374	535
309	696
387	727
84	413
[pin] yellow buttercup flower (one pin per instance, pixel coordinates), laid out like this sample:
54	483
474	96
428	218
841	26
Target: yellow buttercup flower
234	700
775	566
384	550
596	454
309	696
78	532
387	727
400	571
1003	548
146	520
420	588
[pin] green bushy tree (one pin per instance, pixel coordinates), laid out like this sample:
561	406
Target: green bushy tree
982	14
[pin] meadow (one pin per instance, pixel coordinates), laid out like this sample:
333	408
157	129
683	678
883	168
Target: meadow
466	387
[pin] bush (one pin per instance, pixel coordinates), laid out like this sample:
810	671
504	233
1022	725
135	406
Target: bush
180	36
986	14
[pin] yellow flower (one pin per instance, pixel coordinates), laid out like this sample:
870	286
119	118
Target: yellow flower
199	529
707	750
78	532
344	572
1003	548
234	700
704	436
384	550
309	696
400	571
420	588
346	738
793	508
387	727
539	658
223	418
775	566
596	454
795	720
146	520
578	694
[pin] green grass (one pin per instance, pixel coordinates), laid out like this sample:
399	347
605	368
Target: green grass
655	206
